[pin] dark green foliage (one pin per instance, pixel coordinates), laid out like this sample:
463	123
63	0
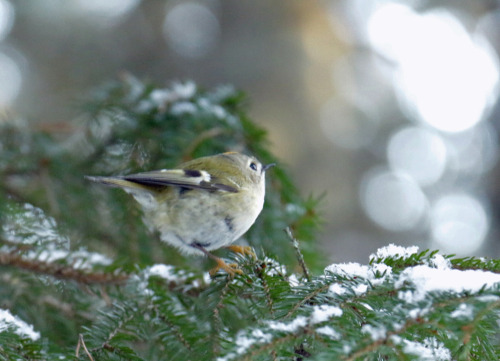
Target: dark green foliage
78	264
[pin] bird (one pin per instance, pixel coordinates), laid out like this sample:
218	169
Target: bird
202	205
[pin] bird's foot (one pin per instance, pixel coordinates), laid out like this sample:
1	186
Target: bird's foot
231	269
244	250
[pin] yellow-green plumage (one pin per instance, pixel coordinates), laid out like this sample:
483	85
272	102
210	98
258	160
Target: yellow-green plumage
202	205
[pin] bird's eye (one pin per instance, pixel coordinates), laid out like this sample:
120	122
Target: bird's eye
253	166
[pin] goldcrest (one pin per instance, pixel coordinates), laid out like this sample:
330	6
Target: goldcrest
204	204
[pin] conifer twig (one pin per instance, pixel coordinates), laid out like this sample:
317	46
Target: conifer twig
59	271
173	328
81	343
300	256
207	134
267	291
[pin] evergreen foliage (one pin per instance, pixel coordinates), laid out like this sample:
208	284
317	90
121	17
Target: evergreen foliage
80	273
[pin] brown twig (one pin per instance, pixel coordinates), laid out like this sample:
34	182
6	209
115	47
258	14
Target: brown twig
81	343
66	272
207	134
300	256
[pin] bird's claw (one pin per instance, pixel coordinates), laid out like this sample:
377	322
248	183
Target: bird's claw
244	250
231	269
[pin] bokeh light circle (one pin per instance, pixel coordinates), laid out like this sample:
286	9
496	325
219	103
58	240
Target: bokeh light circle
7	16
443	76
191	29
10	80
418	152
459	224
392	200
473	152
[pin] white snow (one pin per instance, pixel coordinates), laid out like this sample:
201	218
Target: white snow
435	276
184	90
463	311
376	275
488	298
427	279
79	259
438	261
181	108
212	108
394	251
300	321
417	312
429	350
274	268
360	289
336	289
167	272
353	269
322	313
21	328
207	279
293	280
30	225
350	269
329	332
376	333
244	341
178	91
161	270
160	98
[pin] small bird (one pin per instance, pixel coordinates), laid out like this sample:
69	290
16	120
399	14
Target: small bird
203	205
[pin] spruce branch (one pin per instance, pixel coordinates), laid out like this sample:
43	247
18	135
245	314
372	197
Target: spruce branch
60	271
216	318
310	296
271	346
300	256
267	291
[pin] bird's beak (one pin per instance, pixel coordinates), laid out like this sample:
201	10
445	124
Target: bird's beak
267	166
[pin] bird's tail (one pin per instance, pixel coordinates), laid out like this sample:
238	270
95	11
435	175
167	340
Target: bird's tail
116	182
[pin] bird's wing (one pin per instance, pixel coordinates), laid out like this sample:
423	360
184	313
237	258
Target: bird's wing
186	178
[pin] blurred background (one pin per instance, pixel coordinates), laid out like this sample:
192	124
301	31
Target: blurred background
389	108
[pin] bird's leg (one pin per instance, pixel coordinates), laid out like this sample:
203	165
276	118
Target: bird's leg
231	269
244	250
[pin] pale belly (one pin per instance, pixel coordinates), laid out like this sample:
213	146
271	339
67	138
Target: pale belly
202	219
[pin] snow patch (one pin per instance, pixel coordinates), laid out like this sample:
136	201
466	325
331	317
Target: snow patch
293	280
463	311
167	272
322	313
438	261
429	350
426	279
329	332
376	333
182	108
336	289
21	328
293	326
375	275
393	251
